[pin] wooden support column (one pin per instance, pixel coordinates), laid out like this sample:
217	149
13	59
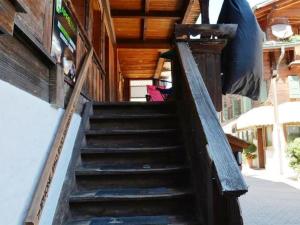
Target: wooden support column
208	57
207	53
56	86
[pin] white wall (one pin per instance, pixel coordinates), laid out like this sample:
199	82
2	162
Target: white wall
27	126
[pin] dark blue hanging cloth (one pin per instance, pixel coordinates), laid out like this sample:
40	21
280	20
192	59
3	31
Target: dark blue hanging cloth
242	57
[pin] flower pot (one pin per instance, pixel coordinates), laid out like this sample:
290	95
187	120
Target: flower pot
250	162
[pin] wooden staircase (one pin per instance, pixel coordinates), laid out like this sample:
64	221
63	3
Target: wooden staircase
131	169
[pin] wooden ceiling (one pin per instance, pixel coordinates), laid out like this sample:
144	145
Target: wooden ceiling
144	29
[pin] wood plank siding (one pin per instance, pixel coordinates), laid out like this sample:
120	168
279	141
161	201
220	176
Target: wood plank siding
20	57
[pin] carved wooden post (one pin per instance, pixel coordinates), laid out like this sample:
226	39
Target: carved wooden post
207	53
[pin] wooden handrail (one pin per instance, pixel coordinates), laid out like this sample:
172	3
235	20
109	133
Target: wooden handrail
41	192
229	176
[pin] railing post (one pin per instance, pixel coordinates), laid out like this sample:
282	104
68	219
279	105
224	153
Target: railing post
207	53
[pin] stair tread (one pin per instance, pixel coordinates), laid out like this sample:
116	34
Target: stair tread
99	150
129	169
110	194
132	103
138	220
126	131
133	116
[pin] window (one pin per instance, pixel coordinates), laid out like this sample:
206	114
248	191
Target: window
268	136
294	86
263	91
293	132
236	105
225	111
247	104
138	90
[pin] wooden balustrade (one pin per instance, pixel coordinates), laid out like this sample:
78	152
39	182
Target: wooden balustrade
41	192
216	175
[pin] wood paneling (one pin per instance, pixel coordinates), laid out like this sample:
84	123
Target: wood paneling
34	19
159	29
127	28
126	4
22	68
144	28
7	15
138	64
167	5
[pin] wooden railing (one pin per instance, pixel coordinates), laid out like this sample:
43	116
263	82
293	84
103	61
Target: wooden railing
216	175
41	191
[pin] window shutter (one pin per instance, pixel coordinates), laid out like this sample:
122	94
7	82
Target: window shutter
263	91
247	104
294	86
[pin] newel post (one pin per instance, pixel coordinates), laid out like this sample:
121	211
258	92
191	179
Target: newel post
207	51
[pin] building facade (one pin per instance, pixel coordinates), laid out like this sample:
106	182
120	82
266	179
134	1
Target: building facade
274	120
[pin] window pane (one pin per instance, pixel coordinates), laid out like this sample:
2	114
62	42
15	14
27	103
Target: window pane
294	86
247	104
269	131
136	91
140	82
293	132
263	91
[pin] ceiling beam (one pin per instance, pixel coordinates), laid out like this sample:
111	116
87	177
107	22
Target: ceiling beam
187	11
143	44
131	14
159	67
144	23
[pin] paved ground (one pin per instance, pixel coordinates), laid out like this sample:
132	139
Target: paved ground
270	203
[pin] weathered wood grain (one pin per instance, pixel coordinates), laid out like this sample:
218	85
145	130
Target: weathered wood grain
183	31
41	192
22	68
7	16
228	172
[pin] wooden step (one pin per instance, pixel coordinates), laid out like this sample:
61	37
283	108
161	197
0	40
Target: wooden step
138	220
134	116
133	138
132	175
161	155
132	202
134	121
127	108
128	169
130	132
128	194
118	150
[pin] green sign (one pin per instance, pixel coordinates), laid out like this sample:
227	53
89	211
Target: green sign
64	38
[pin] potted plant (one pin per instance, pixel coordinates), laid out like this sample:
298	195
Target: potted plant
293	151
249	154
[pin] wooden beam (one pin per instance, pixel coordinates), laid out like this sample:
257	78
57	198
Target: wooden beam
204	5
183	31
108	17
134	14
41	193
144	23
187	11
19	6
159	67
138	44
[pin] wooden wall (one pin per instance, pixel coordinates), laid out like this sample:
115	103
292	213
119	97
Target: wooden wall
20	58
22	68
